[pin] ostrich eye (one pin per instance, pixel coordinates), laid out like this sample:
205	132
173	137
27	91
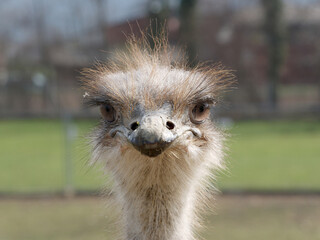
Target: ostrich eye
108	113
199	112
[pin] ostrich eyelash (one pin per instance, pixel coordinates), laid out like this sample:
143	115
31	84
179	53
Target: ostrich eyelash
98	101
209	100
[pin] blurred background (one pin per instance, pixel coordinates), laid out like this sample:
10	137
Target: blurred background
271	189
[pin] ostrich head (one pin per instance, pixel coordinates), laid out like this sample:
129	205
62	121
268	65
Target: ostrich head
156	138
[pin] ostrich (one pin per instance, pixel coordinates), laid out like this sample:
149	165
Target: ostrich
155	138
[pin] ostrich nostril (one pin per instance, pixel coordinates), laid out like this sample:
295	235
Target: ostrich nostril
170	125
134	125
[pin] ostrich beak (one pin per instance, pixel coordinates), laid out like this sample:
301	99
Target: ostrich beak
153	135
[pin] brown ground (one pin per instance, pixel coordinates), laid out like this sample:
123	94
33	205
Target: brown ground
234	217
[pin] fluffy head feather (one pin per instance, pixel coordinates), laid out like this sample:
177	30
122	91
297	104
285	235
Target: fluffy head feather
153	76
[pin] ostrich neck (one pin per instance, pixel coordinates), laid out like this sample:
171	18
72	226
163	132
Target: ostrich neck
158	205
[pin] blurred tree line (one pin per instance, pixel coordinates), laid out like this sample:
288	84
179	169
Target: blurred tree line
274	31
265	45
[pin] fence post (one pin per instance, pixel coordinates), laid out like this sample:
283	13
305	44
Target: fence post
70	132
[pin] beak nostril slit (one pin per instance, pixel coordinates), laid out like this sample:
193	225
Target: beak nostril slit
134	126
170	125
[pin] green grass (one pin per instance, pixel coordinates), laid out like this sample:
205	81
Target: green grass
274	155
235	218
263	155
32	157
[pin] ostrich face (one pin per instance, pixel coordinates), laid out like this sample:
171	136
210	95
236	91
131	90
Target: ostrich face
154	107
152	131
153	112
